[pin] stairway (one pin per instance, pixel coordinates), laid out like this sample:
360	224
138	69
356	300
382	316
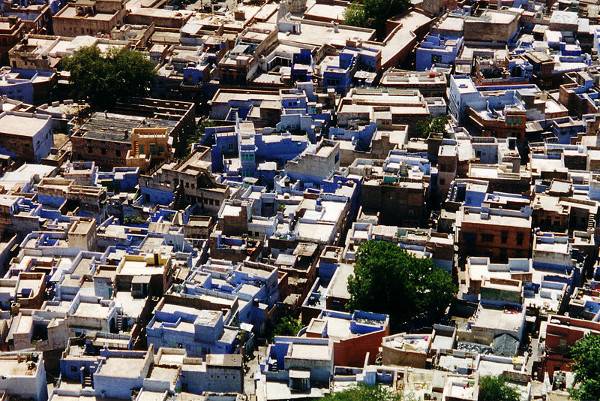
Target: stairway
591	222
179	201
119	323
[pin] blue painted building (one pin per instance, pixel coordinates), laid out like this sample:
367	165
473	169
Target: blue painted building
301	112
253	148
438	50
255	285
565	128
18	84
338	73
281	358
54	5
302	66
198	331
361	137
120	179
155	195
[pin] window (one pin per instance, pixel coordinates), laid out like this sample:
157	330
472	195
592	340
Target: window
487	238
118	153
504	237
520	238
89	149
503	254
103	151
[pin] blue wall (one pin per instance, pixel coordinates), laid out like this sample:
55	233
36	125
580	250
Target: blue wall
157	196
436	50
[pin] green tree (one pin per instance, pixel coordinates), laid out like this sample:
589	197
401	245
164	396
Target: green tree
184	142
102	78
364	393
586	366
495	388
429	126
374	13
389	280
287	326
355	15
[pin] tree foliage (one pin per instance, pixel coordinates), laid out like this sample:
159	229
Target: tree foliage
374	13
184	143
387	279
586	366
363	393
495	388
430	126
102	78
287	326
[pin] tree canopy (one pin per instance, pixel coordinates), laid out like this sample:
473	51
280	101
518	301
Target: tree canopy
586	366
362	393
287	326
183	145
374	13
495	388
102	78
389	280
430	126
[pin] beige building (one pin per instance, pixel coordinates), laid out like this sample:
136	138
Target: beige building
388	108
44	52
27	136
88	17
492	25
192	177
82	235
149	146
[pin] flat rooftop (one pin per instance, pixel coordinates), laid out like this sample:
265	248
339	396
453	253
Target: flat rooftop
21	125
114	366
496	219
498	319
329	11
338	287
117	127
319	34
10	366
94	310
71	12
310	351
